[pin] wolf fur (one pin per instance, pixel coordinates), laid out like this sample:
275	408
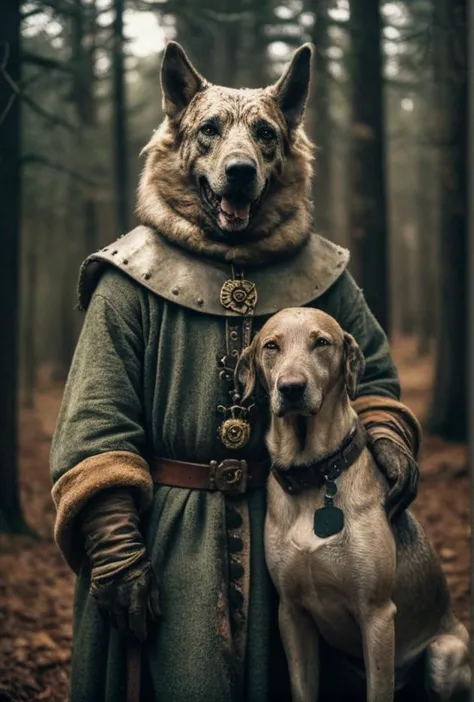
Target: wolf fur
207	127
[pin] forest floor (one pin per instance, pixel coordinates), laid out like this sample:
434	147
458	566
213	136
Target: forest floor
36	587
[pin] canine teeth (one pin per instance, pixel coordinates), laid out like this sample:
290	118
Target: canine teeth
212	197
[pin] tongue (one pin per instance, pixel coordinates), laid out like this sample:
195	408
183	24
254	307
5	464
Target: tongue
235	211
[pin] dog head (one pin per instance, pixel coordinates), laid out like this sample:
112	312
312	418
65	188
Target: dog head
299	356
232	166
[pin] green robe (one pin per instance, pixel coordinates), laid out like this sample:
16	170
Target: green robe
145	379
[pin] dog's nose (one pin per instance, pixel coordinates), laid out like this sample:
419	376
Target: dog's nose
292	387
241	170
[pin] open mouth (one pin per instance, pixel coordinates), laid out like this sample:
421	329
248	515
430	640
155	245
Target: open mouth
232	213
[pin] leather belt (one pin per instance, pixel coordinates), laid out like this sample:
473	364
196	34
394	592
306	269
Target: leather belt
231	476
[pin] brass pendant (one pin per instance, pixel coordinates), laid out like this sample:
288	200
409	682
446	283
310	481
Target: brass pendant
234	433
239	296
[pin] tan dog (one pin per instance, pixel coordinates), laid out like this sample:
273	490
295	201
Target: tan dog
373	590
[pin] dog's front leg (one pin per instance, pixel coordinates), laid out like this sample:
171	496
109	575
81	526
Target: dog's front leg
300	639
378	637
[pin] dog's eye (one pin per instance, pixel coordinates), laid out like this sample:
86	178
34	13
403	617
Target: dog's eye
209	130
271	346
266	134
321	341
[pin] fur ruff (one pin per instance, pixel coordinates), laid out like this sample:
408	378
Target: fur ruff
169	202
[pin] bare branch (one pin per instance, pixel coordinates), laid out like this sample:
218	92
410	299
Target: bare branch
32	13
7	109
54	119
18	93
29	159
226	17
45	62
404	85
63	7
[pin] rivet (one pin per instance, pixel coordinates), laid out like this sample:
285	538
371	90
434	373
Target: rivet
235	397
200	301
147	276
316	287
234	336
114	252
104	249
125	261
175	291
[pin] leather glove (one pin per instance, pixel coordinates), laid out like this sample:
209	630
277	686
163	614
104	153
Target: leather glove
122	580
402	473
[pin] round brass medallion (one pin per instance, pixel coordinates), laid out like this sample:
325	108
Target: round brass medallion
239	296
234	433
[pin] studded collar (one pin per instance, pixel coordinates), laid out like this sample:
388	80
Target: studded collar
295	479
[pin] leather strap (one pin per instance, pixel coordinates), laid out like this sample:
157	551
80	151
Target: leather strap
231	475
134	665
295	479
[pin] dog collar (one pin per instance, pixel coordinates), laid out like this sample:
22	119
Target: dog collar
326	470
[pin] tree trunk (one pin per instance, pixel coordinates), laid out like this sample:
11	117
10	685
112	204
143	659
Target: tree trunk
426	291
228	39
319	122
91	234
448	414
120	120
254	50
10	202
369	230
29	324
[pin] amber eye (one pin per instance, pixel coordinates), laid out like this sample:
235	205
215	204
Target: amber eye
321	341
271	346
266	134
209	130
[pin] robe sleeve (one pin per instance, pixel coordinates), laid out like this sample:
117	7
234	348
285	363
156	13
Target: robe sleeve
99	440
378	395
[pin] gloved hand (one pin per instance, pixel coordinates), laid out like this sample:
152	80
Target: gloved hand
402	473
122	580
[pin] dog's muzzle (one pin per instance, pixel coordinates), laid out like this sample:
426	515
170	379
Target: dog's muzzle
292	393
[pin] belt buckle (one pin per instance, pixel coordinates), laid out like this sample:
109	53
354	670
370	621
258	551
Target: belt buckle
229	476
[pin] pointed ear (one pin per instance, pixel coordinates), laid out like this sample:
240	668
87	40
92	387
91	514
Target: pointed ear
353	365
291	91
246	370
179	80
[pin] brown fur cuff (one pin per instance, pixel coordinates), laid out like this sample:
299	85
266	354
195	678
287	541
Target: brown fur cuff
76	487
384	417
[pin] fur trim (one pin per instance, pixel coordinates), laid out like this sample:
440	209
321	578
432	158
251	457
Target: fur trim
76	487
384	417
168	201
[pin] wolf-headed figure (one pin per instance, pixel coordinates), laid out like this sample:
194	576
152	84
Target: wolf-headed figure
158	464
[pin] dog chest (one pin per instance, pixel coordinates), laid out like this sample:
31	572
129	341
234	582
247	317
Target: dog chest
301	559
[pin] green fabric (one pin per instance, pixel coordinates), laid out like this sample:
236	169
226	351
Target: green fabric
144	378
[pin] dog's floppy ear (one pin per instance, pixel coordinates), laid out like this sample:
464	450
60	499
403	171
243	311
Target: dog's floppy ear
353	365
246	370
179	80
292	89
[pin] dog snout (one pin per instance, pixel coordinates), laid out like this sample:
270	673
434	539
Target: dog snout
241	171
292	387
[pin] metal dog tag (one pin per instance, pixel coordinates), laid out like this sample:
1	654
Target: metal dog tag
328	521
